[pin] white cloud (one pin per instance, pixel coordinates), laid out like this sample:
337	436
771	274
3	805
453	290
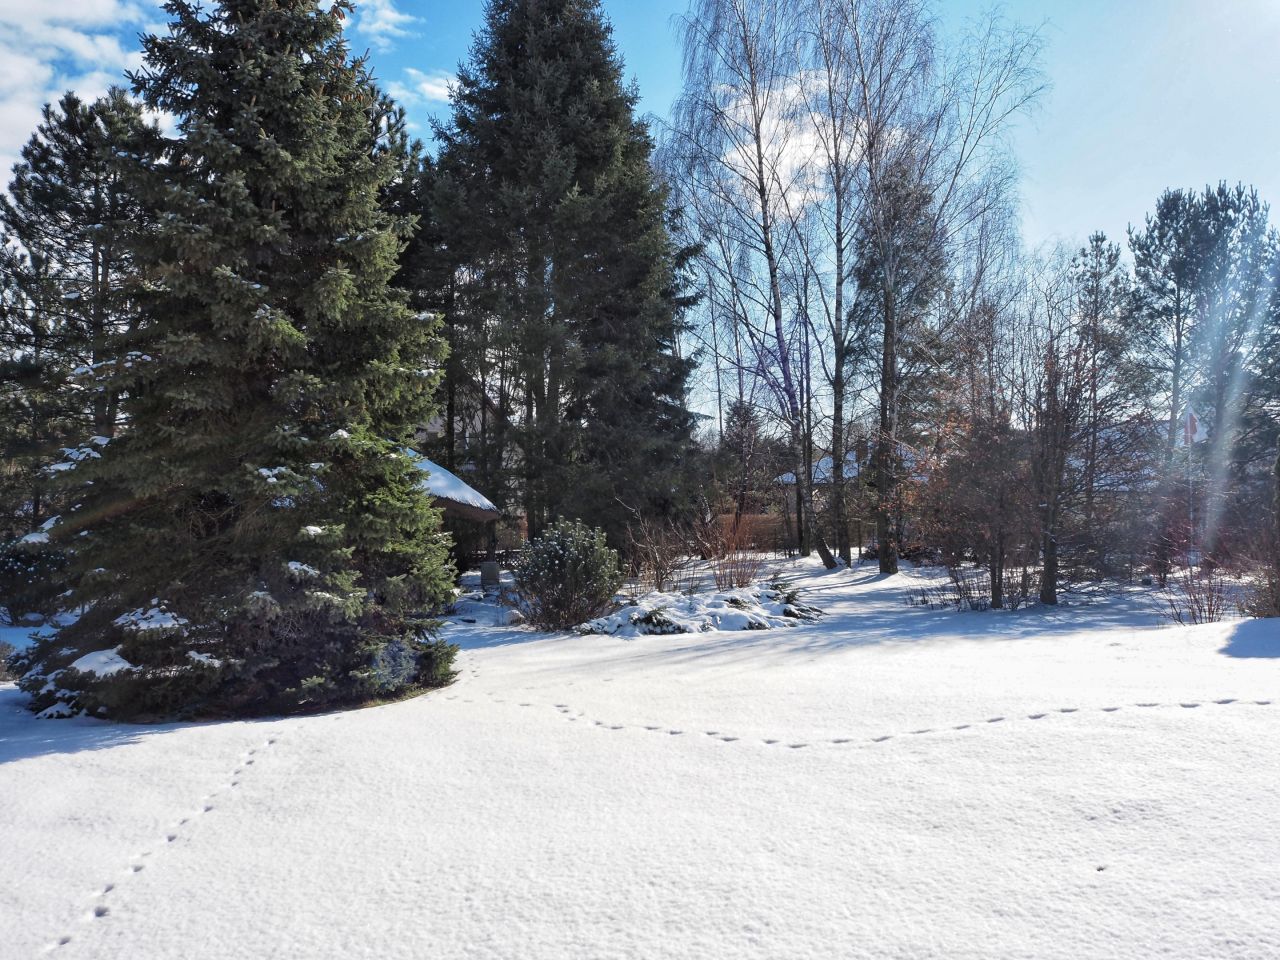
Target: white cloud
379	22
47	48
82	13
50	46
420	87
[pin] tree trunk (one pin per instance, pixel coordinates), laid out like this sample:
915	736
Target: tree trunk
839	359
840	513
802	544
450	419
804	491
1164	536
1049	579
996	568
794	412
532	526
886	482
808	443
1275	522
838	510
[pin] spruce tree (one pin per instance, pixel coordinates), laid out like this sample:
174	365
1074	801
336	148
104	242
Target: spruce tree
568	275
256	538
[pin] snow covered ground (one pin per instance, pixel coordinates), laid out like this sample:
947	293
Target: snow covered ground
889	782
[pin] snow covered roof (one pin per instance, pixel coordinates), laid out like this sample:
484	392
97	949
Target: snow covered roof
822	471
454	495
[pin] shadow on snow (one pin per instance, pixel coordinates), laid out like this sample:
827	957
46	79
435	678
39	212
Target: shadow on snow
1254	639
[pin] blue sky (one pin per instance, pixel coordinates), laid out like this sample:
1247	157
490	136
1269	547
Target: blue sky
1145	93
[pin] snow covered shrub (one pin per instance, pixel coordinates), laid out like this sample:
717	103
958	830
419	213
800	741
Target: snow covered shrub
6	651
761	608
128	673
785	590
154	664
567	576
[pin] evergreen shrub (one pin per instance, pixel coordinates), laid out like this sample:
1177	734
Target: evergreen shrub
567	576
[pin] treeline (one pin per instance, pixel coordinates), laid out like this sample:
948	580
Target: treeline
224	340
868	304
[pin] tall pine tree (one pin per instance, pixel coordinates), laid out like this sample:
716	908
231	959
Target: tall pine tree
256	538
568	292
64	292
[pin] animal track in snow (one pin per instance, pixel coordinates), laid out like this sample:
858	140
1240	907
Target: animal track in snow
568	713
102	907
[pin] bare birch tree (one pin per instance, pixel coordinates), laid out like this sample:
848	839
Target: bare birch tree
737	142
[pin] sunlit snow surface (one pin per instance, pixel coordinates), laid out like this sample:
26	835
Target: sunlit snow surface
889	782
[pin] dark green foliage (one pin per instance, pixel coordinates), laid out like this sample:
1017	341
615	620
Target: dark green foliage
900	268
564	305
1205	267
257	539
567	576
64	292
747	459
31	579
